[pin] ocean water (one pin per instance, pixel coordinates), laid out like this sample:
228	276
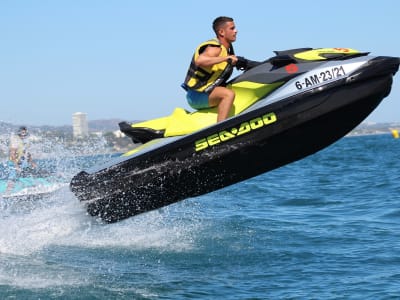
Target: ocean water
325	227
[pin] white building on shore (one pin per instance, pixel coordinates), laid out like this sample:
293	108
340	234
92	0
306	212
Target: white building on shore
80	125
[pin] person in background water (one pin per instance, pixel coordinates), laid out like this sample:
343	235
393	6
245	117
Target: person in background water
20	159
210	68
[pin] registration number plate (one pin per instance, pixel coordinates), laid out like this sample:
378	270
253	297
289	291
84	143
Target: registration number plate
320	77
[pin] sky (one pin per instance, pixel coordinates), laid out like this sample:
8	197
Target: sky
126	59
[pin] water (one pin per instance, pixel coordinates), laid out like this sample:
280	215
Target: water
325	227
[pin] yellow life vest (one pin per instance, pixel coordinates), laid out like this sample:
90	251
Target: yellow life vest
18	144
202	79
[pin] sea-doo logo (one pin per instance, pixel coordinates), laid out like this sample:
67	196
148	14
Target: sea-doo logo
320	77
244	128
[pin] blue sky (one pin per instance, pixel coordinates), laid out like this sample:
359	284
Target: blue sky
126	59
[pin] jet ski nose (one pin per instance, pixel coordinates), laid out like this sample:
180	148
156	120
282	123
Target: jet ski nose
379	66
397	62
388	63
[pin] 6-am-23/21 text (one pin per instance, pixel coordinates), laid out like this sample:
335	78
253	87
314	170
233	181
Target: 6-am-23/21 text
317	78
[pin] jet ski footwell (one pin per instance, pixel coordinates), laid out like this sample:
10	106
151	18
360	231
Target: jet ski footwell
218	156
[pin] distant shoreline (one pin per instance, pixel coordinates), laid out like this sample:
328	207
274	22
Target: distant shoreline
111	125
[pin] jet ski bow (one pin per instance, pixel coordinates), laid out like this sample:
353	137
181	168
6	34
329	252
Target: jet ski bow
286	108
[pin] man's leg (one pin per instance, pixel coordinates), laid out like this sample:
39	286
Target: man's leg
12	176
223	98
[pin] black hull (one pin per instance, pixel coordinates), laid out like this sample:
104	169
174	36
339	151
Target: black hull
305	124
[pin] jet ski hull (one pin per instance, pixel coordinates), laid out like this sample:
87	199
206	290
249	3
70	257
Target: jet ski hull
239	148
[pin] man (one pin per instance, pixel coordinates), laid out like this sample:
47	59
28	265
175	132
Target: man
19	157
210	68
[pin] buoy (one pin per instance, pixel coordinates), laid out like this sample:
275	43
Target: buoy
395	133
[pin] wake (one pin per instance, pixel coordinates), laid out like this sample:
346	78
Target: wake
32	226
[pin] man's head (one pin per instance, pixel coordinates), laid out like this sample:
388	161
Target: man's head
224	27
23	131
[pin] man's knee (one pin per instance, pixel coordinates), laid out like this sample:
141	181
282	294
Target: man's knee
221	94
229	95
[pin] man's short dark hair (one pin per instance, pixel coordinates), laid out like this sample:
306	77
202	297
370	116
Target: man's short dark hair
22	131
219	22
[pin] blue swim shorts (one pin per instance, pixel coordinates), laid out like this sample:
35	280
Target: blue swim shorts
197	100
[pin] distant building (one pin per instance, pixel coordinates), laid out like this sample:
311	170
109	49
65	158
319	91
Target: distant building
80	125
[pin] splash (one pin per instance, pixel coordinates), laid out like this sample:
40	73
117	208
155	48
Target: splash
63	221
41	237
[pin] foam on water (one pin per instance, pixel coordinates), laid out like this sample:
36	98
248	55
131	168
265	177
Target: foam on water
42	240
31	240
63	221
36	233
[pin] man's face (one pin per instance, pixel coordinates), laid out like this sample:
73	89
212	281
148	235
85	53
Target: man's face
23	133
229	31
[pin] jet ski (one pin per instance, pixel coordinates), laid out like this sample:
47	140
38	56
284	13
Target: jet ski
30	188
30	184
286	108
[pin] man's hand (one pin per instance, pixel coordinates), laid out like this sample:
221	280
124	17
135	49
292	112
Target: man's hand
233	59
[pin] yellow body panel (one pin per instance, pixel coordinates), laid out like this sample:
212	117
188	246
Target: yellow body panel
181	122
315	54
156	124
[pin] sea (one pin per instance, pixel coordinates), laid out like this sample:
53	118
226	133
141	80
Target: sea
324	227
